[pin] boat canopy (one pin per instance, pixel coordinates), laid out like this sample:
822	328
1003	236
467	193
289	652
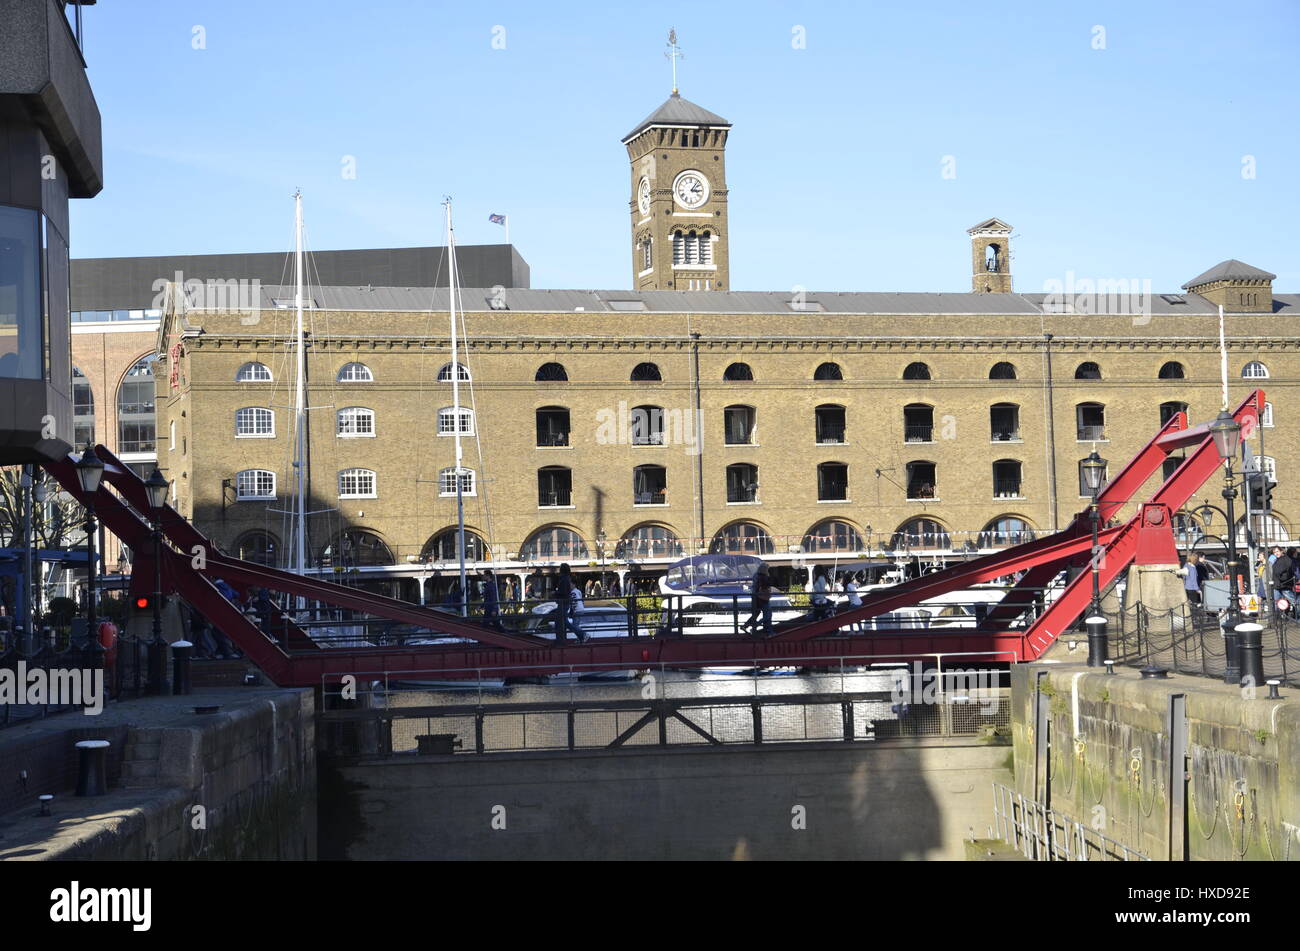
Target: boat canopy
712	573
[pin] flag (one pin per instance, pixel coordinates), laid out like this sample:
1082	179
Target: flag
497	219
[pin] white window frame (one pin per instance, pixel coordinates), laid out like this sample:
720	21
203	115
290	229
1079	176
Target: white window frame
369	376
358	472
357	413
466	424
444	373
447	482
171	436
255	435
1266	417
248	373
253	477
1254	376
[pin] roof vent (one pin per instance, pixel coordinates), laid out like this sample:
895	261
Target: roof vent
626	304
1174	298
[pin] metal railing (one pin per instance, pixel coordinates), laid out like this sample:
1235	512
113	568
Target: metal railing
1044	835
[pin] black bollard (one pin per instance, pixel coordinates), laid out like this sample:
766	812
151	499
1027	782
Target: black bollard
1251	651
46	799
181	651
92	778
1272	690
1097	646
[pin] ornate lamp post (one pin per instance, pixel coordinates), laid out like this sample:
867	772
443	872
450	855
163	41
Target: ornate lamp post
90	471
1094	473
1226	432
157	487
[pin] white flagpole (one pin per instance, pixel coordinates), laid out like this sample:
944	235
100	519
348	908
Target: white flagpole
1223	359
507	218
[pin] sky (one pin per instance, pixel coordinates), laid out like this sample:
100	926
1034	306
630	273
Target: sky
1136	141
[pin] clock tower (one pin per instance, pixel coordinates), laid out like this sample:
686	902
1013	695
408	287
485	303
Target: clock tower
679	199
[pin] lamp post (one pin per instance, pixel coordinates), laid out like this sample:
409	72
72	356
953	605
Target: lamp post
90	470
157	487
601	538
1094	473
1226	432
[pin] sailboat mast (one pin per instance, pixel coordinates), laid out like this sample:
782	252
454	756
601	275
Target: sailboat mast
455	403
299	402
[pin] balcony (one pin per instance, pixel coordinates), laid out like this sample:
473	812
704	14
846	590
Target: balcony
918	433
1092	433
650	498
830	435
1006	488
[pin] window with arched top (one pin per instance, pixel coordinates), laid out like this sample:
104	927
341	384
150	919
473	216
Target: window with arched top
832	535
356	548
738	425
832	482
553	544
920	533
1173	370
261	548
357	484
649	485
83	409
922	480
1090	422
254	484
918	423
254	422
649	541
1087	371
1006	479
1169	408
646	425
452	422
356	373
742	538
1002	371
552	426
1254	370
992	258
645	373
135	407
356	421
829	371
461	371
551	373
447	482
917	371
738	372
554	487
742	482
830	424
445	546
1004	422
253	372
1006	530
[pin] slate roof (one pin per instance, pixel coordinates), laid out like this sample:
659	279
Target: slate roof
1230	270
678	111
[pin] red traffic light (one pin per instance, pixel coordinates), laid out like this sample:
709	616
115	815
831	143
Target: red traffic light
142	603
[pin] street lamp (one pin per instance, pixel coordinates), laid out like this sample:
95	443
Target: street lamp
90	471
601	538
1227	438
1094	473
156	487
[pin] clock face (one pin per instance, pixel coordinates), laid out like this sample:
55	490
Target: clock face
691	189
643	196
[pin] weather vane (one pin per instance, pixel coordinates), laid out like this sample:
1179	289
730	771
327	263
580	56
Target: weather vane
674	54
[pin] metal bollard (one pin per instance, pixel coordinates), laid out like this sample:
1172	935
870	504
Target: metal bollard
1097	644
1251	651
92	777
1272	690
181	653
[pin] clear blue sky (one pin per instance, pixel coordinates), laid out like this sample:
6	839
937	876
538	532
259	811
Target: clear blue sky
1122	162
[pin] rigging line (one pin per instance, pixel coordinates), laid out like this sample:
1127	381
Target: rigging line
480	480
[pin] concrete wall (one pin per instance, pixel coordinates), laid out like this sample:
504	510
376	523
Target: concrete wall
882	800
1122	770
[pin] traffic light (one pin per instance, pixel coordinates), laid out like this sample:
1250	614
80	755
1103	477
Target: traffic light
142	603
1260	491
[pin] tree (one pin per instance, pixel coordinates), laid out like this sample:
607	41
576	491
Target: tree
56	523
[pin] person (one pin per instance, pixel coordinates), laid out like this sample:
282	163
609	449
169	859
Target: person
452	600
1284	576
614	589
491	602
226	648
1194	580
760	597
852	598
821	602
570	601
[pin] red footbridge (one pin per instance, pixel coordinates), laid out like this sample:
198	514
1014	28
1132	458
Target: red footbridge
191	564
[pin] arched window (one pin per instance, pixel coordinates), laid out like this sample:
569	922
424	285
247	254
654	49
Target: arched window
649	485
254	422
918	423
1006	530
1002	371
447	482
554	544
355	548
254	484
833	535
450	422
1090	420
253	373
1004	422
462	373
922	480
445	546
357	484
917	371
1087	371
1006	479
646	372
832	482
83	409
554	487
356	373
920	533
649	541
356	421
551	373
552	426
260	548
742	482
742	538
1173	370
1254	370
829	371
646	425
992	258
738	372
1268	530
738	425
830	424
1168	409
647	254
135	407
